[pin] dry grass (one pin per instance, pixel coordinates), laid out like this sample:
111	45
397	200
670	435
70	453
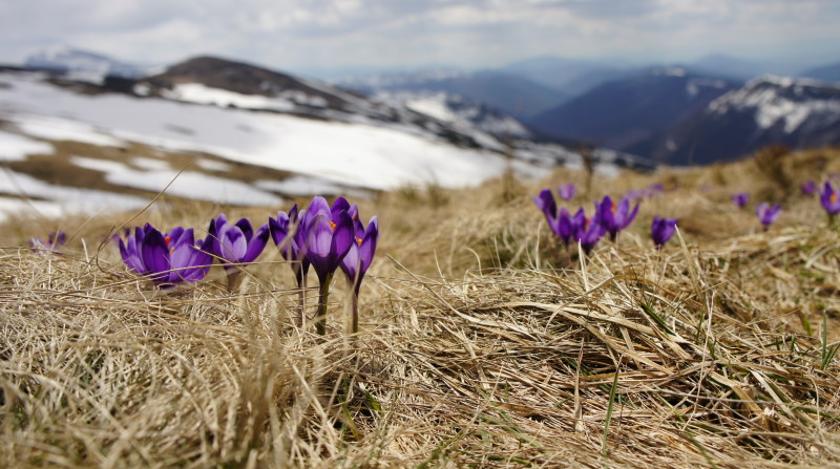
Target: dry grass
483	344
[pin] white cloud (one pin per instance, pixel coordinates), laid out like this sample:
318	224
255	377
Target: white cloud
302	34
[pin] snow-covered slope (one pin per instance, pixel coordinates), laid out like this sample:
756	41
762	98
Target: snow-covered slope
352	153
456	110
766	111
791	104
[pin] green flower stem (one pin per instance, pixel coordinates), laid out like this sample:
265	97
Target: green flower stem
323	297
354	327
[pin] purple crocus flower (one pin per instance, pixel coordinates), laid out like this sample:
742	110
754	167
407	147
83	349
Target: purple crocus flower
545	202
236	243
767	214
830	200
565	225
291	243
328	234
587	231
53	243
655	189
567	191
359	258
166	259
615	218
741	199
636	194
808	187
662	229
560	221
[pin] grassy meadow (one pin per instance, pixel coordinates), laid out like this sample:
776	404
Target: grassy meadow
483	343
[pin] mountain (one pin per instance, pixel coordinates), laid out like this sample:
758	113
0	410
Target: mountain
228	83
769	110
571	76
81	64
621	113
825	73
506	92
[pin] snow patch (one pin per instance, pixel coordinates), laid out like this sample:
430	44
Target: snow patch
189	184
213	165
150	164
50	128
300	186
14	147
201	94
62	200
433	106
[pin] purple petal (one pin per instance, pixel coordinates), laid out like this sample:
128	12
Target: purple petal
246	228
232	243
155	253
279	228
257	244
343	237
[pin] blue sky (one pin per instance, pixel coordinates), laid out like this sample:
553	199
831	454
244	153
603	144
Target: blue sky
301	35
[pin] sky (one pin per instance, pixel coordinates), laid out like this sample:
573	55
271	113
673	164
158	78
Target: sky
334	34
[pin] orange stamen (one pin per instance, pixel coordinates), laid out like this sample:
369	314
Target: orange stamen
833	198
358	240
167	239
332	225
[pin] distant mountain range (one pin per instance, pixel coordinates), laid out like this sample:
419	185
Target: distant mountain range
507	92
771	110
623	112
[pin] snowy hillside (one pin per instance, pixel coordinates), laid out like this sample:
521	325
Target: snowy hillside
37	118
231	133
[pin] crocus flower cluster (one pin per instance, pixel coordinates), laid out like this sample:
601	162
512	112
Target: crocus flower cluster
607	218
166	259
326	238
321	236
55	240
